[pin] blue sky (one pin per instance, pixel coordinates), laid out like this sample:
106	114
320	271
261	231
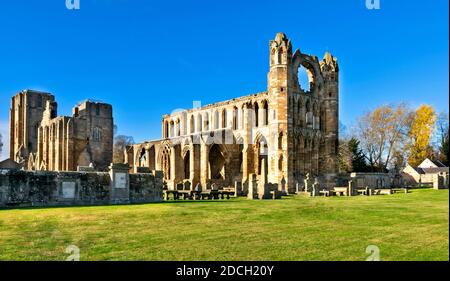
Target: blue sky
148	58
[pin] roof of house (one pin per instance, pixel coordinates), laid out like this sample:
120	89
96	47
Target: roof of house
434	170
438	163
9	164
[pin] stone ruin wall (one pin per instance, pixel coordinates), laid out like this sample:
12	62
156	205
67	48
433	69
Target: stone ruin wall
20	188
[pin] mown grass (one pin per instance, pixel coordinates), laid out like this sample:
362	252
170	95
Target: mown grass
410	226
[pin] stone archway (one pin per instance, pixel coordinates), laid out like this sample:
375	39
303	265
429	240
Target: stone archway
187	165
165	162
216	163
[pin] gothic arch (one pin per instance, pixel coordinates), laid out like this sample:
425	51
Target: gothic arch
192	124
312	66
164	159
217	161
224	118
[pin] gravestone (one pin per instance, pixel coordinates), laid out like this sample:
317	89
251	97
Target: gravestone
198	187
315	187
351	188
179	186
143	170
307	183
263	187
237	188
251	187
85	169
187	185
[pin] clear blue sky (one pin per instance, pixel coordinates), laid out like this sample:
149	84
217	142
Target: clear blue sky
147	58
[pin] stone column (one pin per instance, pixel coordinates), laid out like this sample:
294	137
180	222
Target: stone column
247	145
260	114
237	188
251	187
192	178
172	163
204	163
263	188
351	187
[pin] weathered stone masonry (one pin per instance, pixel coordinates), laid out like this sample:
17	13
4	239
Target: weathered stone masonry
41	140
293	129
43	188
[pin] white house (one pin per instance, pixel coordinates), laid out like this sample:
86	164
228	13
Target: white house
429	172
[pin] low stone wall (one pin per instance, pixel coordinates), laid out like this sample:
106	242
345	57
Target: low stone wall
375	180
39	188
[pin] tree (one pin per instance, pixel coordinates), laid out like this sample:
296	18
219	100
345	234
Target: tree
422	127
120	143
442	138
358	160
443	151
381	133
1	143
345	157
351	157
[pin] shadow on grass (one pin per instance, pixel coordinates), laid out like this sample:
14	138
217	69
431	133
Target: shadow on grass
124	204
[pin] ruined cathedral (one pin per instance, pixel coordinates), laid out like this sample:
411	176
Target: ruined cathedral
279	136
41	140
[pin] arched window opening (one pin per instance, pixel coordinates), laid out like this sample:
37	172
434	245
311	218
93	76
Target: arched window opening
241	156
216	163
263	153
199	123
224	118
172	129
280	141
235	118
280	163
187	164
216	120
304	78
256	111
192	125
280	56
206	122
178	127
266	114
151	160
142	158
165	163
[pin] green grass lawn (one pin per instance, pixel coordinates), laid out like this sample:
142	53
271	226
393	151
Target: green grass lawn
410	226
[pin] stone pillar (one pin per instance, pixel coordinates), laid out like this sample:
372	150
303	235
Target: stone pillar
119	190
251	187
307	183
192	155
204	163
247	146
351	187
173	168
237	188
315	188
263	188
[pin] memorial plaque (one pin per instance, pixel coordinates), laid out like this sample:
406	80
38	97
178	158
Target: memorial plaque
68	190
120	180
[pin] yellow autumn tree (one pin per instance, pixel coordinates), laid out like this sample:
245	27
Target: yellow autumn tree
422	127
